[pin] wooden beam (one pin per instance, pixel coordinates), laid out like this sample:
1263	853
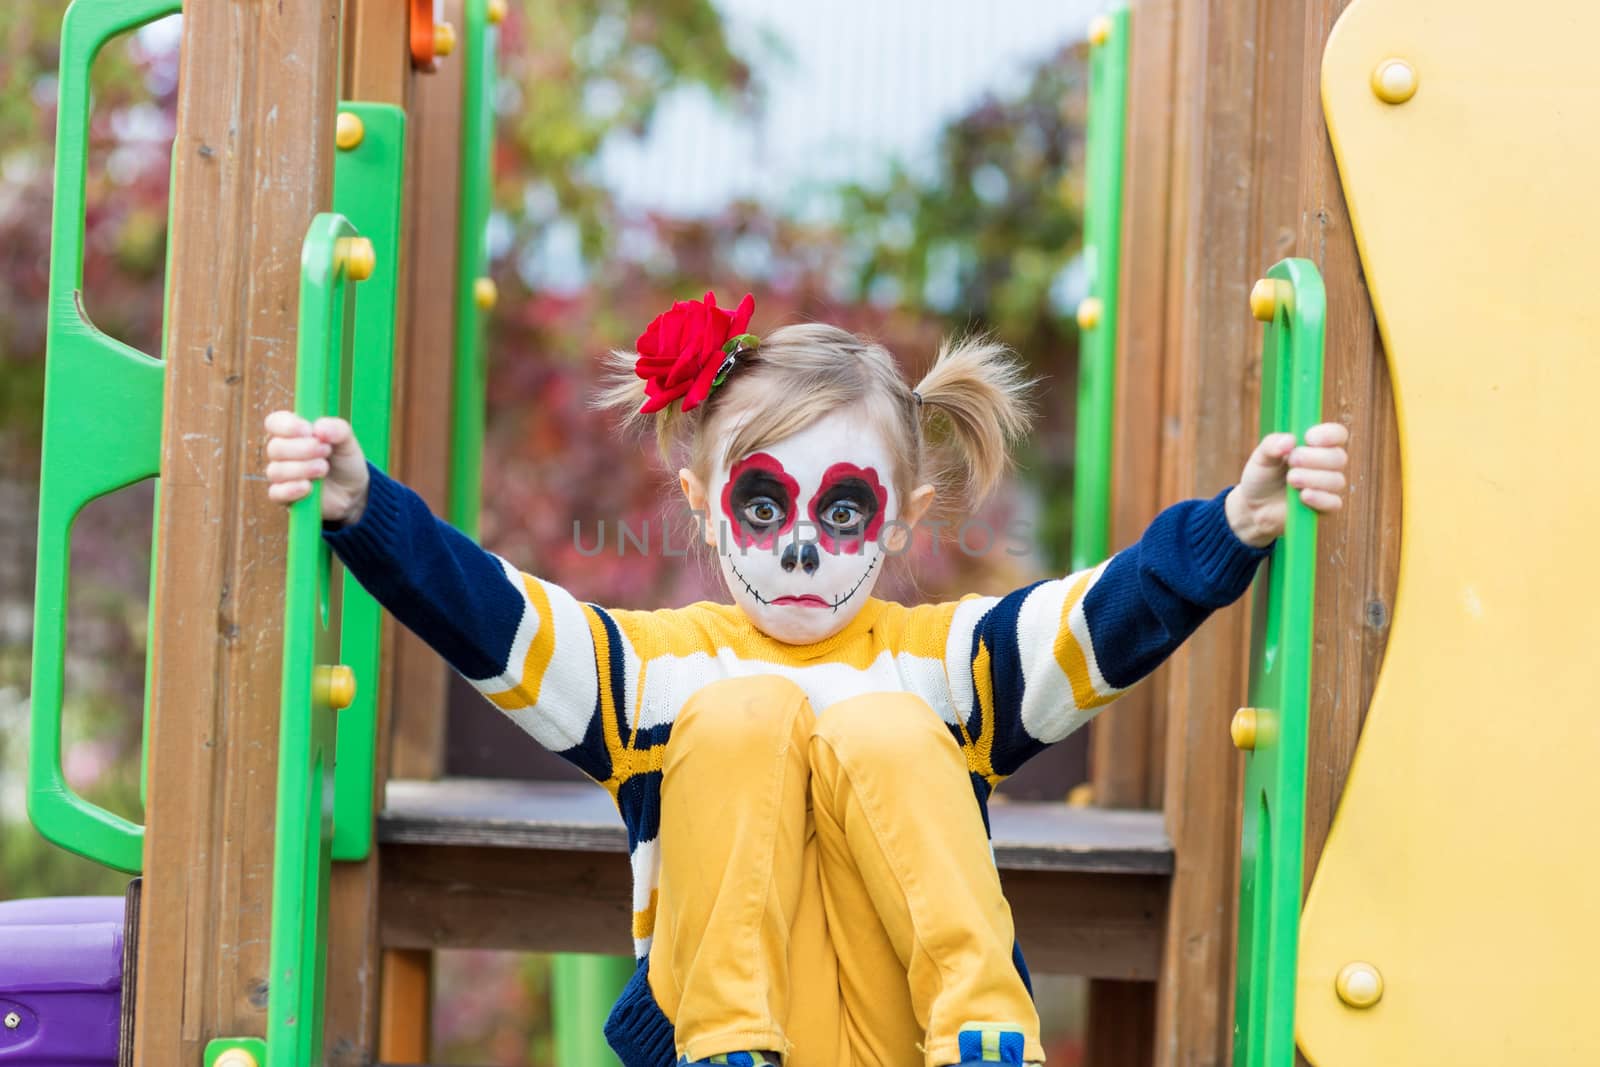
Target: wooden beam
377	69
252	163
438	896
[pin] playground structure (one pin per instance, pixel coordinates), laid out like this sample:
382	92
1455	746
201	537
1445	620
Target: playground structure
299	864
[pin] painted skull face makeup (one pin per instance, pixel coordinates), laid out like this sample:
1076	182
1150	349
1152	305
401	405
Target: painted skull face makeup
800	527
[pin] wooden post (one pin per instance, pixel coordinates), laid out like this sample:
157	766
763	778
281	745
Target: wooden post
1209	426
1126	743
1253	180
416	677
252	165
377	69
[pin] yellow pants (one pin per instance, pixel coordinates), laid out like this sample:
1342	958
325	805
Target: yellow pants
827	889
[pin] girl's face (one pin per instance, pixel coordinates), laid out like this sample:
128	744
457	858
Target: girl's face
803	527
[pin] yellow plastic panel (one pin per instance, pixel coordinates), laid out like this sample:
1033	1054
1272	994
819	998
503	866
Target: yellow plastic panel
1464	863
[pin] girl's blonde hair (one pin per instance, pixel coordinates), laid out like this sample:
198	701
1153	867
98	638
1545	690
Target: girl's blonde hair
954	429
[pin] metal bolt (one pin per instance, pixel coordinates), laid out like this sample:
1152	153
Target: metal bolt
13	1020
236	1057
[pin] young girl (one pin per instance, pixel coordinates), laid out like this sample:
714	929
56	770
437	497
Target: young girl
804	773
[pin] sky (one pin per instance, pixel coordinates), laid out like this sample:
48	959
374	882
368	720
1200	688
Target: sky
863	81
850	86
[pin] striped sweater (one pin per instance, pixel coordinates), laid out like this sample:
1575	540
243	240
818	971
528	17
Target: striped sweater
1008	675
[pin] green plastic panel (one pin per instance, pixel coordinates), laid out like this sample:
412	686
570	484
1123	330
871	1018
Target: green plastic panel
311	631
582	989
368	183
472	263
1102	251
102	431
1271	847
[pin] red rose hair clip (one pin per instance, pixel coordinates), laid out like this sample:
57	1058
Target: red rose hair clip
688	351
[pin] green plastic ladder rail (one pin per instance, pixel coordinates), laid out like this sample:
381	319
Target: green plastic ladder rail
302	849
1274	728
1097	314
368	183
474	290
102	431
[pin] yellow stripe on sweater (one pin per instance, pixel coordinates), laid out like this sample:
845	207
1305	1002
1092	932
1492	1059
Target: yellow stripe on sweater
626	761
1069	653
541	649
644	922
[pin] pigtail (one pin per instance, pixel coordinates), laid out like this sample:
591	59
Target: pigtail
981	392
622	394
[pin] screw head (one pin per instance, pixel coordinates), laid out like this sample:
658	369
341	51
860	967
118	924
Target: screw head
1243	729
348	130
1100	30
444	39
358	257
485	294
13	1020
334	686
1090	309
1394	81
1359	985
1264	299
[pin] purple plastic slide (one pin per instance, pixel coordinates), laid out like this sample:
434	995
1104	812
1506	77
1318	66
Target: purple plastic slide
60	981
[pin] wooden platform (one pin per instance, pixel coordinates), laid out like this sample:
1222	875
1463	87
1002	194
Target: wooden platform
542	866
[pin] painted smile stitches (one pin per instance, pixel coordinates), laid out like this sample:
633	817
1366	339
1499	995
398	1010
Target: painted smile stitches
809	600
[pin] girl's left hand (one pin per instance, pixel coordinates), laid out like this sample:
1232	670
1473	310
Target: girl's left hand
1257	506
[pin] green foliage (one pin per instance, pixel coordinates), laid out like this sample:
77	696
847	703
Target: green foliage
574	75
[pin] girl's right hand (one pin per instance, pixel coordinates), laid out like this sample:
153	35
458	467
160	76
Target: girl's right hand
300	452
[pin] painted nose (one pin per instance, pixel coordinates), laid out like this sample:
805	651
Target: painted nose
805	556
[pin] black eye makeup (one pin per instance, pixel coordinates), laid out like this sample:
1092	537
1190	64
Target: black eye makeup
759	500
848	508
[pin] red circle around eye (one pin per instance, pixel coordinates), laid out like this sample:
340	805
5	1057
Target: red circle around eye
833	476
759	461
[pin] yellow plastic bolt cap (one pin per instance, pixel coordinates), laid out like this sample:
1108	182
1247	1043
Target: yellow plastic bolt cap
1264	299
1394	81
485	293
1243	729
348	130
334	686
444	39
1359	985
1081	795
358	256
1100	30
236	1057
495	12
1090	309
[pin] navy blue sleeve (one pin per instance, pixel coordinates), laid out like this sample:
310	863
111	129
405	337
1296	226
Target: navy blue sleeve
1045	658
432	577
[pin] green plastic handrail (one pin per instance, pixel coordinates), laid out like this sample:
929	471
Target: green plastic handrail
1097	314
102	431
1274	728
368	184
302	847
472	264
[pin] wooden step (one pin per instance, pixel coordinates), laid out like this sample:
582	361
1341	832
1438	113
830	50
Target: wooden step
542	866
